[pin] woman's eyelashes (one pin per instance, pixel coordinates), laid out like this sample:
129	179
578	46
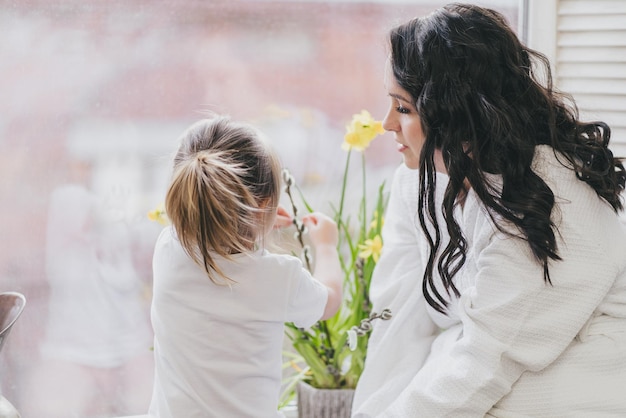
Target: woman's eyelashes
402	109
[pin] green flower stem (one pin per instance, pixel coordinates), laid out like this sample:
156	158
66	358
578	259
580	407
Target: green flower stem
343	188
328	342
352	248
364	198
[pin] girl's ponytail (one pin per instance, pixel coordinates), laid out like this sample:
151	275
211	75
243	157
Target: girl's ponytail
224	188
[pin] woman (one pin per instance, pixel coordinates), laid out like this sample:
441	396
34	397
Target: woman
522	252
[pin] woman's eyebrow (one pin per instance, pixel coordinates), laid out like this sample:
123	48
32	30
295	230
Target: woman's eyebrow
399	97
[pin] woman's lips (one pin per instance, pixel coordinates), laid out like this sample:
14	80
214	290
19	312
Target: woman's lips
402	147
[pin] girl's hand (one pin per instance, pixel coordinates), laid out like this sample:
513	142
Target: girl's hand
322	229
283	218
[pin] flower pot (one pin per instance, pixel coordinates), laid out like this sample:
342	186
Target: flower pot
323	403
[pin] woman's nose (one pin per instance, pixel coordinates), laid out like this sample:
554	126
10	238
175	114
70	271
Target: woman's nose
388	123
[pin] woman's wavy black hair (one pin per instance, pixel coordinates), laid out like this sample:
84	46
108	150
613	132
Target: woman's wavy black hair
478	94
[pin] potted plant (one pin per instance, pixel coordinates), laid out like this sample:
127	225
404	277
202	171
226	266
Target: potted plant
331	354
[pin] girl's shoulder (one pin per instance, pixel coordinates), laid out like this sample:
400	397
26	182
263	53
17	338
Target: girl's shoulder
278	269
168	232
166	237
277	260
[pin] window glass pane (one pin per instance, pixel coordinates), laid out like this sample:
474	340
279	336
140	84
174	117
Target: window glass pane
95	95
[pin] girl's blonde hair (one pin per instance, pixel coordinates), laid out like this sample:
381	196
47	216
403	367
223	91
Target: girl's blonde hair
224	191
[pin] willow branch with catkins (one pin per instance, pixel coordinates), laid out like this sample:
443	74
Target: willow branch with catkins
300	228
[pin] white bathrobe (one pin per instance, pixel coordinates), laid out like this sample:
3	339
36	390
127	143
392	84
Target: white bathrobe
511	345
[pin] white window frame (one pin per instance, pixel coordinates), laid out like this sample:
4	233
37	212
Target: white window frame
541	27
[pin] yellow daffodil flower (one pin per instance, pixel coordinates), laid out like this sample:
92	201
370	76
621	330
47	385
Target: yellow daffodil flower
361	131
159	215
374	223
371	248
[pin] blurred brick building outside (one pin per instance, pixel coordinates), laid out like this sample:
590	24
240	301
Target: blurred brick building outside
96	92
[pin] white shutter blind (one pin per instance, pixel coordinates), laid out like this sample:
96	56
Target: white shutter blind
591	61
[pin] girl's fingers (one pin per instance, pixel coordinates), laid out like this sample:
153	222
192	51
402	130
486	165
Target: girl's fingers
281	211
282	222
283	219
310	219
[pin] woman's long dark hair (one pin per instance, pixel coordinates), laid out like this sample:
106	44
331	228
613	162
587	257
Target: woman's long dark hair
481	103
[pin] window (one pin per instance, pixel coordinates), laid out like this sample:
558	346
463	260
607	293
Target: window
95	96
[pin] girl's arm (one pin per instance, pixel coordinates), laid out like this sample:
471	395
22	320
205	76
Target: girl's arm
327	270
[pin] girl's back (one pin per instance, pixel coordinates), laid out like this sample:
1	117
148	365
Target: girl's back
219	347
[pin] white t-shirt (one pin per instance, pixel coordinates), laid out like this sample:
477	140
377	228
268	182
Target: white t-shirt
218	349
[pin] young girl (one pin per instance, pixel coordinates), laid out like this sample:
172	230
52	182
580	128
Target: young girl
220	300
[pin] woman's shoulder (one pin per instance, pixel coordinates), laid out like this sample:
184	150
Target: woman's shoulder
548	161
